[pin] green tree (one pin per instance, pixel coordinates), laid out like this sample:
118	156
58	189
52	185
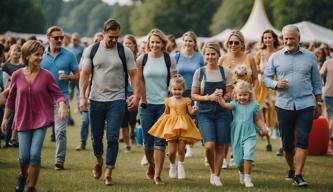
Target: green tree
98	15
21	16
231	14
317	11
50	10
173	16
122	14
78	18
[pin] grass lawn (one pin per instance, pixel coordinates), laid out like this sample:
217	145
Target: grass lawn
268	172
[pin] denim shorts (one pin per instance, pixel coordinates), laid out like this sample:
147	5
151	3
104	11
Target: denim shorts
291	121
148	116
215	127
329	105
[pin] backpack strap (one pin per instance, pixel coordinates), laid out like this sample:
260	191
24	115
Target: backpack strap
92	55
222	73
202	76
167	61
223	78
144	61
177	56
122	56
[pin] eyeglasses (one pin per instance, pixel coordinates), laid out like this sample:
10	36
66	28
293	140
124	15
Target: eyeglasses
233	42
57	38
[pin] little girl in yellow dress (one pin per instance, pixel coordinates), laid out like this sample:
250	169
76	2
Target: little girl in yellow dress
176	126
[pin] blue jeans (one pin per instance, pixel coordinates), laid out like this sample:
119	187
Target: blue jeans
112	113
30	147
291	121
148	117
60	135
84	126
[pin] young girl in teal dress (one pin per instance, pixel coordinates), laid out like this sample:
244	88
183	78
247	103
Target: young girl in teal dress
246	118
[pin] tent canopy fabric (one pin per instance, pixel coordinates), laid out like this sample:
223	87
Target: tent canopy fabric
311	32
221	36
257	23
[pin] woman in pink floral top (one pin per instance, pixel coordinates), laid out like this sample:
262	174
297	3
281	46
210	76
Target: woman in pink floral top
32	94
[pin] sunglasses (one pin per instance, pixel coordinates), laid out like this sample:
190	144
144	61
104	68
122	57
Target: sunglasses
57	38
233	42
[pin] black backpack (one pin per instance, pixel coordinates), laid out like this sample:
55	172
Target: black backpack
167	61
121	53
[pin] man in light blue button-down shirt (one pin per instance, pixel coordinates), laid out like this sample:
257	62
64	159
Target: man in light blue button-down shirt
293	73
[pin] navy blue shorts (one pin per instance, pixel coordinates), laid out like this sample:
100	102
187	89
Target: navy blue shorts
295	121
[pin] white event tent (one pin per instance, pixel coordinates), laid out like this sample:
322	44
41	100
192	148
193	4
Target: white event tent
257	23
311	32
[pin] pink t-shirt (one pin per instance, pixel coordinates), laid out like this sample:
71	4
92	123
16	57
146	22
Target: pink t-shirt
33	103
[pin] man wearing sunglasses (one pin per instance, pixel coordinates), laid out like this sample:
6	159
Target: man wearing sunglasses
61	63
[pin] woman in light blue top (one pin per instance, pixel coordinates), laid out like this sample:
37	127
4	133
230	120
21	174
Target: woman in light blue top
188	60
156	67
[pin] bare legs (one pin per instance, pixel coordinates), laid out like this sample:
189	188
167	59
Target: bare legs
215	156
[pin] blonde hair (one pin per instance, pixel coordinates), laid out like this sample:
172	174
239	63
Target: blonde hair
177	80
13	47
30	47
237	34
211	45
159	34
193	36
243	86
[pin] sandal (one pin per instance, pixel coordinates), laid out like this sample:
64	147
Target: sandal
158	181
150	172
108	181
97	171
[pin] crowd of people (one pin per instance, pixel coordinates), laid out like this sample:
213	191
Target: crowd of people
221	94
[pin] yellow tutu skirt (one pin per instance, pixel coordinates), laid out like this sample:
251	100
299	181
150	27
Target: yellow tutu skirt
176	127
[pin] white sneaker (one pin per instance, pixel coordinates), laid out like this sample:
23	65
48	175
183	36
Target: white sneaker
206	162
173	171
211	180
217	181
247	181
181	171
225	164
189	151
232	163
144	160
241	178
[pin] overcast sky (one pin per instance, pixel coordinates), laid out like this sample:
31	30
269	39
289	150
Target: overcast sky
121	2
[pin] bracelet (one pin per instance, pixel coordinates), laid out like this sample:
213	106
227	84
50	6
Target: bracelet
319	102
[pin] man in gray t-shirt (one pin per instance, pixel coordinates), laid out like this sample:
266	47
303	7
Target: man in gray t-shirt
107	100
